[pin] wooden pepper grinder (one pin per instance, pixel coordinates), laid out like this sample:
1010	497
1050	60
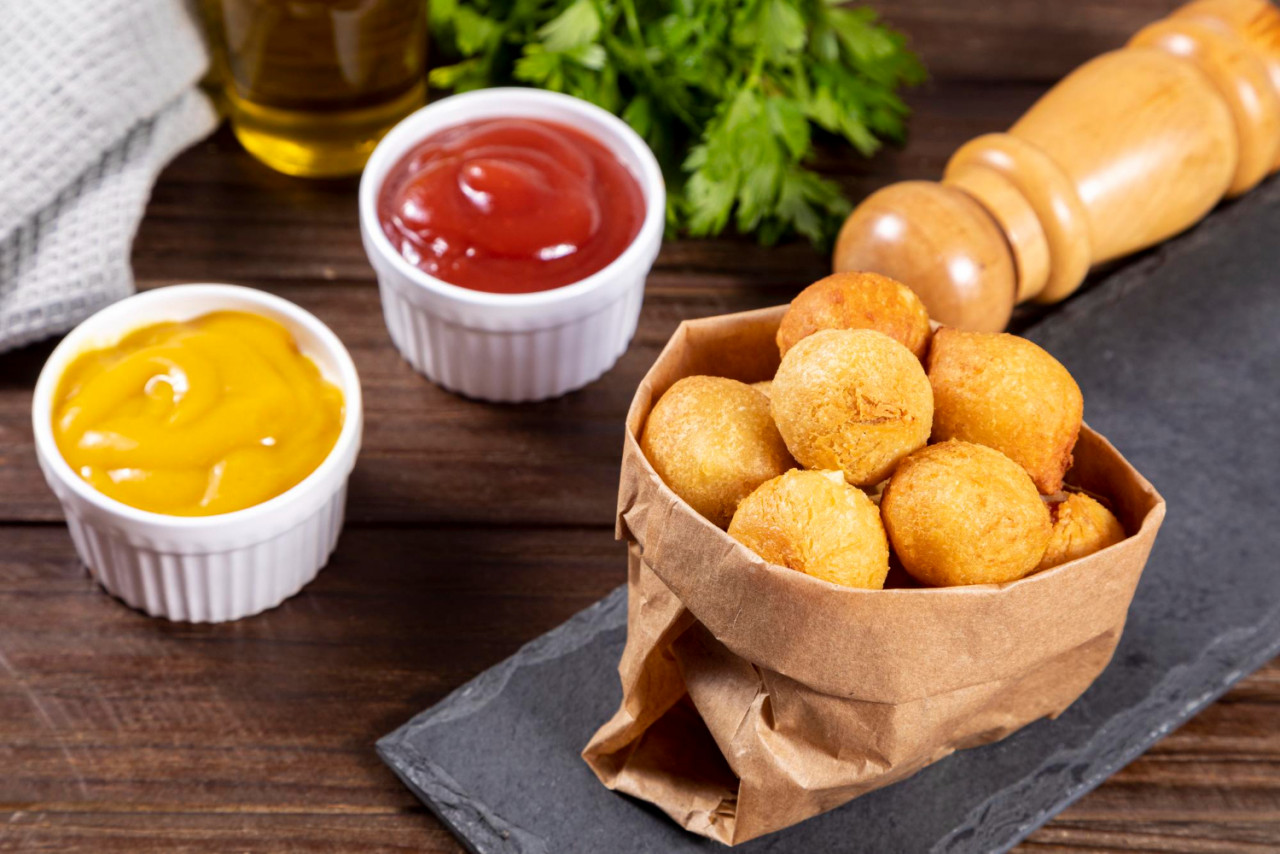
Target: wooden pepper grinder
1128	150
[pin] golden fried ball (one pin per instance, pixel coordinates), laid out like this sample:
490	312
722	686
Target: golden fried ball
712	440
857	301
1004	392
853	400
816	523
959	513
1081	526
763	386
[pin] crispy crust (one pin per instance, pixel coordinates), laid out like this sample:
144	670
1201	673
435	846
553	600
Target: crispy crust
959	513
1081	526
713	441
1005	392
815	523
853	400
857	301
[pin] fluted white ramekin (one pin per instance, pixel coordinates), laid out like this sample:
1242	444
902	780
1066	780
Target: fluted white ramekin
204	568
513	347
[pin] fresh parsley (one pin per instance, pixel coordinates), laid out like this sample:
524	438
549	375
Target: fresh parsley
726	92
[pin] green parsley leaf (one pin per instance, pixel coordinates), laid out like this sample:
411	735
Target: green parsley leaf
726	92
576	26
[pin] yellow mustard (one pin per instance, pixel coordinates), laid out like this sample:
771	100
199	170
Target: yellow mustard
197	418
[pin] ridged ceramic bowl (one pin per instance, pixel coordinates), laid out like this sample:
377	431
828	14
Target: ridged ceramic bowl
204	568
513	347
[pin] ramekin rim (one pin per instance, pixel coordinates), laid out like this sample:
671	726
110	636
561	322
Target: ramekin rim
398	141
51	373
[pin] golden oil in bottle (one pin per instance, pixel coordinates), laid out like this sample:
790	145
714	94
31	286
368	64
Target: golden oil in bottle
312	85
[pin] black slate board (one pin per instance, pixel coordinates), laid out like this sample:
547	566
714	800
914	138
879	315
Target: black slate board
1179	359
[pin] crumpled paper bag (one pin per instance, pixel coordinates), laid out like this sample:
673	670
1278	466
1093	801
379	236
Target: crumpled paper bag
755	696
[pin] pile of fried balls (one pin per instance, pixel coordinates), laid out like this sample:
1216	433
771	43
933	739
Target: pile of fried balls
881	442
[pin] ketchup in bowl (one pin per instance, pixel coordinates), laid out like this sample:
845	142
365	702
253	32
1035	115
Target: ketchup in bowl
510	205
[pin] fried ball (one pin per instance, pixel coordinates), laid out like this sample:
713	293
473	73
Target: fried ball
858	301
853	400
817	524
1081	526
959	513
763	386
712	440
1004	392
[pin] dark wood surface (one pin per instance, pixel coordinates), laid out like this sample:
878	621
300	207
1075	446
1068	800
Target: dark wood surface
472	529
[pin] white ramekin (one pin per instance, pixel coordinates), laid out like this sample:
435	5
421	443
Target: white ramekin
513	347
205	568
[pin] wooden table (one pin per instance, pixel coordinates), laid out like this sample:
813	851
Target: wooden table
471	529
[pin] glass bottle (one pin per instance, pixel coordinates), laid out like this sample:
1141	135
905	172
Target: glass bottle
312	85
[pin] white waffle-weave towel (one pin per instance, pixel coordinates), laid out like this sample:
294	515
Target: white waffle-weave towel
98	96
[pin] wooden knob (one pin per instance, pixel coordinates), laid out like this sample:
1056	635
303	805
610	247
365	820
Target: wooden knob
941	242
1126	151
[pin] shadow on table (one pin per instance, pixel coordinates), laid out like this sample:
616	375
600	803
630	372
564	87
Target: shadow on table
20	368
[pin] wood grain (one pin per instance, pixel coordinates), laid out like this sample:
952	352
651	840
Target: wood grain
217	215
101	705
123	733
474	528
1016	40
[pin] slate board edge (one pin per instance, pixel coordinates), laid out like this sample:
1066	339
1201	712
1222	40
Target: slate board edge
478	829
1072	772
432	785
1114	284
1058	775
473	825
1099	299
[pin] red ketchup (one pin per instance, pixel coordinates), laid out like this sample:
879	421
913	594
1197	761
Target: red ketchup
510	205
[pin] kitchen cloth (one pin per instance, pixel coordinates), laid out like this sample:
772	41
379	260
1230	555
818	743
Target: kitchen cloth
98	96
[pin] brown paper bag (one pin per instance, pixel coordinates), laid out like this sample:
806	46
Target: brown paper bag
755	696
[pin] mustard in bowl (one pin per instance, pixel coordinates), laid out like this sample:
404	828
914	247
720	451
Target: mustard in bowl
197	417
199	439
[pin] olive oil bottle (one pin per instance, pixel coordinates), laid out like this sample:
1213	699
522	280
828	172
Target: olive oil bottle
312	85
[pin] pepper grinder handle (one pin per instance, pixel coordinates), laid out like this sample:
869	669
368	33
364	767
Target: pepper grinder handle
1126	151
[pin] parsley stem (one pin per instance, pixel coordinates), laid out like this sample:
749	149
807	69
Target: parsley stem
757	70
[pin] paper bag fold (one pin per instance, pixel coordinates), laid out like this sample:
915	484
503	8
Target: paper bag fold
755	696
